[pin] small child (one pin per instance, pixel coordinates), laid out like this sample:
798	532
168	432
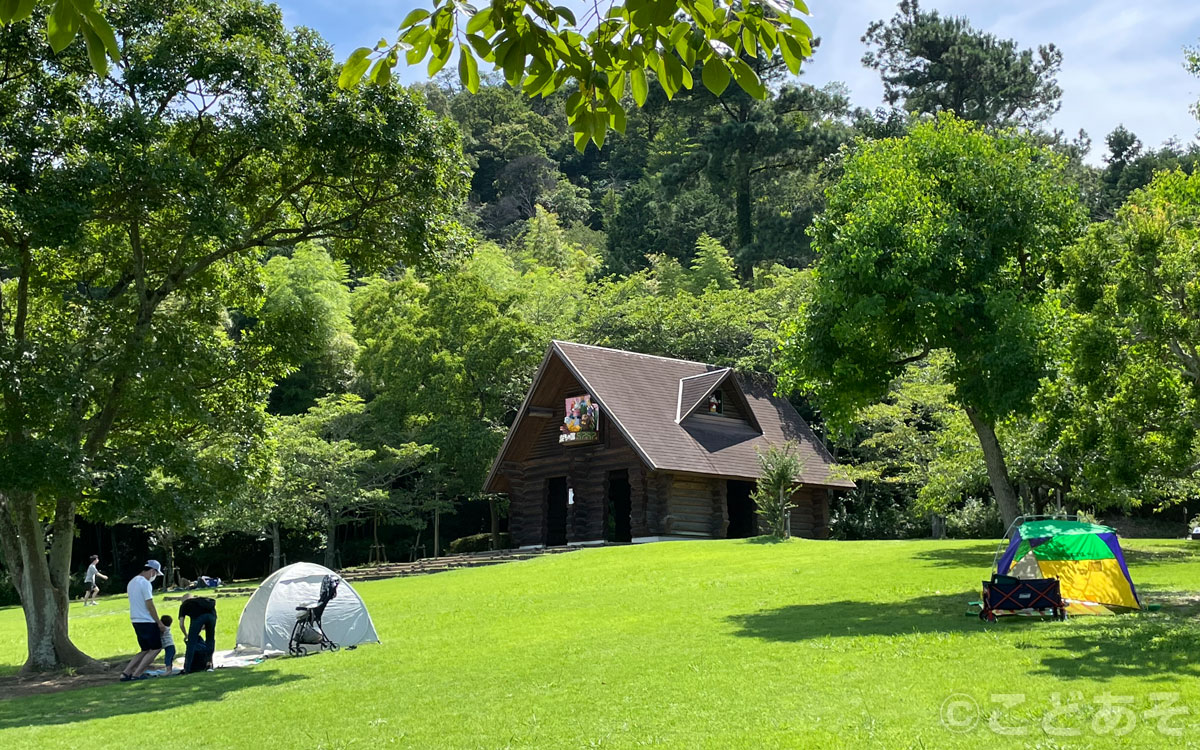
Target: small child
168	642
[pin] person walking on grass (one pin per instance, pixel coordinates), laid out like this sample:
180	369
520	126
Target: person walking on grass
90	588
146	623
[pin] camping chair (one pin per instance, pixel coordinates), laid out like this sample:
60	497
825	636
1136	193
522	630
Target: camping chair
308	630
1005	595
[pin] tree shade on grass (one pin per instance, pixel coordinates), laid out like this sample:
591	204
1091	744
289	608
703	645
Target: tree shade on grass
723	644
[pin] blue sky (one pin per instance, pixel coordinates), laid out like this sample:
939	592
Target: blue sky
1122	61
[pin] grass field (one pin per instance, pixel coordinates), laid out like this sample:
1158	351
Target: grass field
694	645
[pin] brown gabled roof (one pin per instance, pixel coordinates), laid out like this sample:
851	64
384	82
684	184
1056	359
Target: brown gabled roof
640	395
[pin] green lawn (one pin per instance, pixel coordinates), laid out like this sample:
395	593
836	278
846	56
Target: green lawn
699	644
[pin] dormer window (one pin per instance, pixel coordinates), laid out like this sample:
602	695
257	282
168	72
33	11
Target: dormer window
714	397
714	403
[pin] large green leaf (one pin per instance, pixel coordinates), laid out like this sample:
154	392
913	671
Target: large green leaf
715	75
97	55
355	67
12	11
748	79
468	69
639	85
62	25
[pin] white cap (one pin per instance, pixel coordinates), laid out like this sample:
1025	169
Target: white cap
154	564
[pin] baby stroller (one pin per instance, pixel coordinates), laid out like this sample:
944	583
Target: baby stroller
308	631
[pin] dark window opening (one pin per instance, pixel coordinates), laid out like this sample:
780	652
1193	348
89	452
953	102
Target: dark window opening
743	521
620	506
556	512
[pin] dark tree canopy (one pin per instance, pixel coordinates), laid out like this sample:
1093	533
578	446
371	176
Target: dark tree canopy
932	64
1129	166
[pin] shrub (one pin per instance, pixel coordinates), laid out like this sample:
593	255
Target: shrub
778	468
477	543
866	514
976	519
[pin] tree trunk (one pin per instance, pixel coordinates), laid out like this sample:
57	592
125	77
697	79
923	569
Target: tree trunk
993	456
495	510
172	577
275	545
42	581
116	558
330	542
745	218
783	512
437	531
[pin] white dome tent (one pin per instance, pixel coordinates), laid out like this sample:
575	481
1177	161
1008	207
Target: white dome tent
267	620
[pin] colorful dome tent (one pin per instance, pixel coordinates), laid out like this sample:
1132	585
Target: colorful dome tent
1086	559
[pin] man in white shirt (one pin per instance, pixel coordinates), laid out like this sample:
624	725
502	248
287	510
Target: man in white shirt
146	622
90	588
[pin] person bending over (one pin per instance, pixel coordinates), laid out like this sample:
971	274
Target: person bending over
203	614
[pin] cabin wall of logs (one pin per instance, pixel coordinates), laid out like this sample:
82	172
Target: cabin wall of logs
661	504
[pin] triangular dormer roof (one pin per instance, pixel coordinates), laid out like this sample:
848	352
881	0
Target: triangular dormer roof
694	391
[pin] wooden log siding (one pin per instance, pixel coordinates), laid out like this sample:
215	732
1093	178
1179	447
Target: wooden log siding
721	510
691	505
586	469
526	515
810	516
586	476
639	522
661	484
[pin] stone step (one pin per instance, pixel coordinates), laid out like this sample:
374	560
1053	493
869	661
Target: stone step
431	565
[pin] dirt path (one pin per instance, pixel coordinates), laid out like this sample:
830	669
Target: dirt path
19	686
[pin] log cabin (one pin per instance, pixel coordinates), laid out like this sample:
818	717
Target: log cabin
617	446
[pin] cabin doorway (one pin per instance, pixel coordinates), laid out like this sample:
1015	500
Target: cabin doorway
620	506
556	512
743	522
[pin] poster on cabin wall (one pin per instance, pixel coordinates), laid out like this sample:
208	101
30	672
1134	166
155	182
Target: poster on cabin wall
581	425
